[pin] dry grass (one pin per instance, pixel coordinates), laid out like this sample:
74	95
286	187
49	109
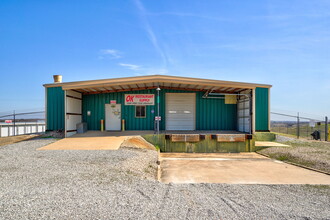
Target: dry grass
15	139
314	154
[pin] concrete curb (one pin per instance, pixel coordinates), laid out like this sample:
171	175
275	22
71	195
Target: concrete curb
298	165
158	166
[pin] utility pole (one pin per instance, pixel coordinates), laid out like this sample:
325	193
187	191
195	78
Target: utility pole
298	126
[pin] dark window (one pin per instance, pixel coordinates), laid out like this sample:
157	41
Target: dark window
140	111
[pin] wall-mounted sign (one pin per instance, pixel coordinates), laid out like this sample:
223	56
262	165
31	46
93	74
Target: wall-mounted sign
113	101
158	118
139	99
8	121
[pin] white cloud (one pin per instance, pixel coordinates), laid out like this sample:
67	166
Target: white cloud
150	33
140	70
152	71
130	66
110	53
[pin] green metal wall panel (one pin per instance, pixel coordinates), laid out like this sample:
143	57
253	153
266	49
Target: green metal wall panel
214	114
211	114
96	104
262	109
55	108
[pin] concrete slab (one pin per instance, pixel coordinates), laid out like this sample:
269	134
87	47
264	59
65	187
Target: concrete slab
86	143
269	144
247	168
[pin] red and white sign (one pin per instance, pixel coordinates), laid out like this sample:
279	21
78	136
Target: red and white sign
158	118
8	121
139	99
113	102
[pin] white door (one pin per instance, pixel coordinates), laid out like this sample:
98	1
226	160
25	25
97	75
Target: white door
180	111
113	117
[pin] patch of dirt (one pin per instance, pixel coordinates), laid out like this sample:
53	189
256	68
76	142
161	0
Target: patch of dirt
137	142
15	139
53	134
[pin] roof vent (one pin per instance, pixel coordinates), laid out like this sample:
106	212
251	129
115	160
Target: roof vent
57	78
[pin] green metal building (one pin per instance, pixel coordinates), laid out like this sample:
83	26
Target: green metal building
177	103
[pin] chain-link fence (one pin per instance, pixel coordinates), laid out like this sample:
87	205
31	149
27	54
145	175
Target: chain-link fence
22	123
300	125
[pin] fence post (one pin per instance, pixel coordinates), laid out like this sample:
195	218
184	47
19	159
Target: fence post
14	124
326	128
0	130
298	126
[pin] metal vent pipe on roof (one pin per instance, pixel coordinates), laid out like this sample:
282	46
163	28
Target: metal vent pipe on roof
57	78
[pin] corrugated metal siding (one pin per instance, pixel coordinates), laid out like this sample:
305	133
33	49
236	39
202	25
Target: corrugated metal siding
96	104
55	108
262	111
211	114
214	114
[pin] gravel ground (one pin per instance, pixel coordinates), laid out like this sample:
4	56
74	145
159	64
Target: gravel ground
121	185
314	154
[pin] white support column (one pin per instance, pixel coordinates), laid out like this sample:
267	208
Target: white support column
45	108
269	109
253	111
65	115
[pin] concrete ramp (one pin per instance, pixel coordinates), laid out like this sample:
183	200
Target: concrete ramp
87	143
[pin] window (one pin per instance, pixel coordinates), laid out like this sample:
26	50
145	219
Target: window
140	111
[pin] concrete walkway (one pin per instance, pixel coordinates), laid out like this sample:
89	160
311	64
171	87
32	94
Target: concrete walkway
240	168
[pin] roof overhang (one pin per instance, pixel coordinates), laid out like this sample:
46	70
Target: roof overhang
154	81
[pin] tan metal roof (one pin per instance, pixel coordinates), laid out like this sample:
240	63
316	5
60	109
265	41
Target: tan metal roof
153	81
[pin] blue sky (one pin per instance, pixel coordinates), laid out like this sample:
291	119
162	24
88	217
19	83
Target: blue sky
283	43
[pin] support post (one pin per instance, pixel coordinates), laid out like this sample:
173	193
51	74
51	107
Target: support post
14	130
158	114
298	126
326	129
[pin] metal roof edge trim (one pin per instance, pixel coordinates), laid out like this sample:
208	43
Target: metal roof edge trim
133	80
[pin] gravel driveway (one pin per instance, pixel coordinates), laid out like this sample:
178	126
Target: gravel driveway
120	185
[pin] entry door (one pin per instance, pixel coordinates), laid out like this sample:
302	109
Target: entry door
113	117
180	111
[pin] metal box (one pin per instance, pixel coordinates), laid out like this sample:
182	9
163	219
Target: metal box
81	127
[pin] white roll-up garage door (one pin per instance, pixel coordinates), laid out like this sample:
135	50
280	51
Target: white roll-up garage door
180	111
243	115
